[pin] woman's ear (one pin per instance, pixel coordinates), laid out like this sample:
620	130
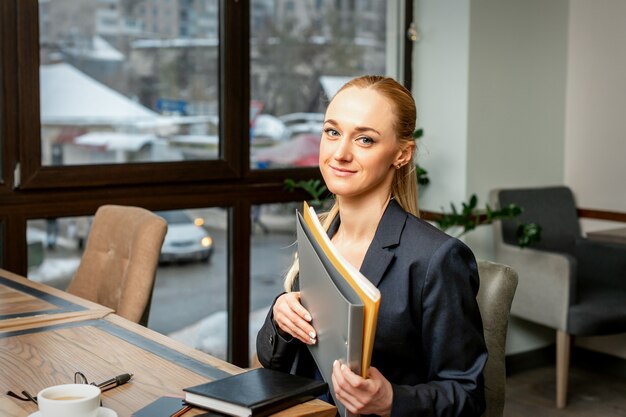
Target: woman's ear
406	153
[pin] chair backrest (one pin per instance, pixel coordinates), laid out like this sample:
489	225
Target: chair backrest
120	260
497	288
553	208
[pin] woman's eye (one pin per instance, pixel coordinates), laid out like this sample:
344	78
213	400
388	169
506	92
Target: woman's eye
331	132
365	140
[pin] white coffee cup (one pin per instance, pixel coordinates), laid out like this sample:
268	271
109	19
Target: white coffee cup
69	400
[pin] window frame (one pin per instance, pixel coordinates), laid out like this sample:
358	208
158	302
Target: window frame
29	190
233	129
8	93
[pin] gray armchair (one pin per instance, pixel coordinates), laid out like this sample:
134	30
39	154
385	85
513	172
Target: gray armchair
566	282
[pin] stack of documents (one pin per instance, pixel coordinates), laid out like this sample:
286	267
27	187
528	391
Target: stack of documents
343	303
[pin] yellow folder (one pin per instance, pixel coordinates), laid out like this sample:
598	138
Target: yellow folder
367	292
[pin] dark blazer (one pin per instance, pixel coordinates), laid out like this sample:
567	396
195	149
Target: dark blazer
429	340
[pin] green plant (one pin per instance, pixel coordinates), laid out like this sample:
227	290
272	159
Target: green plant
314	187
469	217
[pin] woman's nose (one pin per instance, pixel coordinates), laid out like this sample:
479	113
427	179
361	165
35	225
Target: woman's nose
343	149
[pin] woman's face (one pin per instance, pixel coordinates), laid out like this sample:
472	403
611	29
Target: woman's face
359	148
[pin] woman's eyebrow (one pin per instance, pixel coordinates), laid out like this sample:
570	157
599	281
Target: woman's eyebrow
365	129
358	128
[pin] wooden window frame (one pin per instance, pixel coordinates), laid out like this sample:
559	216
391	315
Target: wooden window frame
29	190
233	117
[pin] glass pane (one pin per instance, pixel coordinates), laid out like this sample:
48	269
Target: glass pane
272	250
128	81
301	52
189	302
55	247
189	298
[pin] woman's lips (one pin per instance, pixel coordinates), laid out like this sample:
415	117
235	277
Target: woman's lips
341	172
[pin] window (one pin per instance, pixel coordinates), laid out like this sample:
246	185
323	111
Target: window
54	248
189	302
111	98
297	63
194	149
272	245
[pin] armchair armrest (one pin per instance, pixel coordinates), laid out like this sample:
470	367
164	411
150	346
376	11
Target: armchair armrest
601	263
546	284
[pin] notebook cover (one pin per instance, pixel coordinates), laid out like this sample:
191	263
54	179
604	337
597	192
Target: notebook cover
262	391
161	407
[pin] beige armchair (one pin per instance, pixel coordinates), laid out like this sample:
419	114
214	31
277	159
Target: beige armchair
119	264
497	288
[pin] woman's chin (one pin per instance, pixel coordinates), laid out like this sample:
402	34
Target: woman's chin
338	189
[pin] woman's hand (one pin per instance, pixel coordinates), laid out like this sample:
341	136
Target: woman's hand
293	319
362	396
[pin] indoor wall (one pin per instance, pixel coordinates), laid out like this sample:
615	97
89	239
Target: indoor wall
522	93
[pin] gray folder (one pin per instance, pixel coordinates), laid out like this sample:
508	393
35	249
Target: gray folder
336	309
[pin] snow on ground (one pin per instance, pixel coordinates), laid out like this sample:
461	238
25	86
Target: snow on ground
209	334
54	269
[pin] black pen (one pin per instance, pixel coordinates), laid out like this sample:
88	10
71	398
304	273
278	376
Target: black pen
115	381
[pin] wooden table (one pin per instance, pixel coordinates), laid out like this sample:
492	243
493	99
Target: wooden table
47	352
25	303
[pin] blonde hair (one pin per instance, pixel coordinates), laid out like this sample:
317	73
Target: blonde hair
404	185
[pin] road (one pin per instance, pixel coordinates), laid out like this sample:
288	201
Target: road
186	293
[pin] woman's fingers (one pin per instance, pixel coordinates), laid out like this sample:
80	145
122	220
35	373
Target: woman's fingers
295	326
342	389
296	305
300	319
293	318
359	395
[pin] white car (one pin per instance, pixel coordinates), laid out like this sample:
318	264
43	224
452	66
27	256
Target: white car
268	129
303	123
186	239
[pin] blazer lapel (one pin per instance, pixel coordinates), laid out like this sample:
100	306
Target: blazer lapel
375	264
380	253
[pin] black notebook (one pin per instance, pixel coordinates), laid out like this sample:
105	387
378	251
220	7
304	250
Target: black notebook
258	392
162	407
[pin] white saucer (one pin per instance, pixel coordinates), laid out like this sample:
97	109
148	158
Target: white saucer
102	412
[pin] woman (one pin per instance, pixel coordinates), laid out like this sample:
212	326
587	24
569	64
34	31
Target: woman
429	350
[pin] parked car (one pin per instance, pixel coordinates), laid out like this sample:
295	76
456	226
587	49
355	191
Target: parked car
303	123
186	239
301	151
268	130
